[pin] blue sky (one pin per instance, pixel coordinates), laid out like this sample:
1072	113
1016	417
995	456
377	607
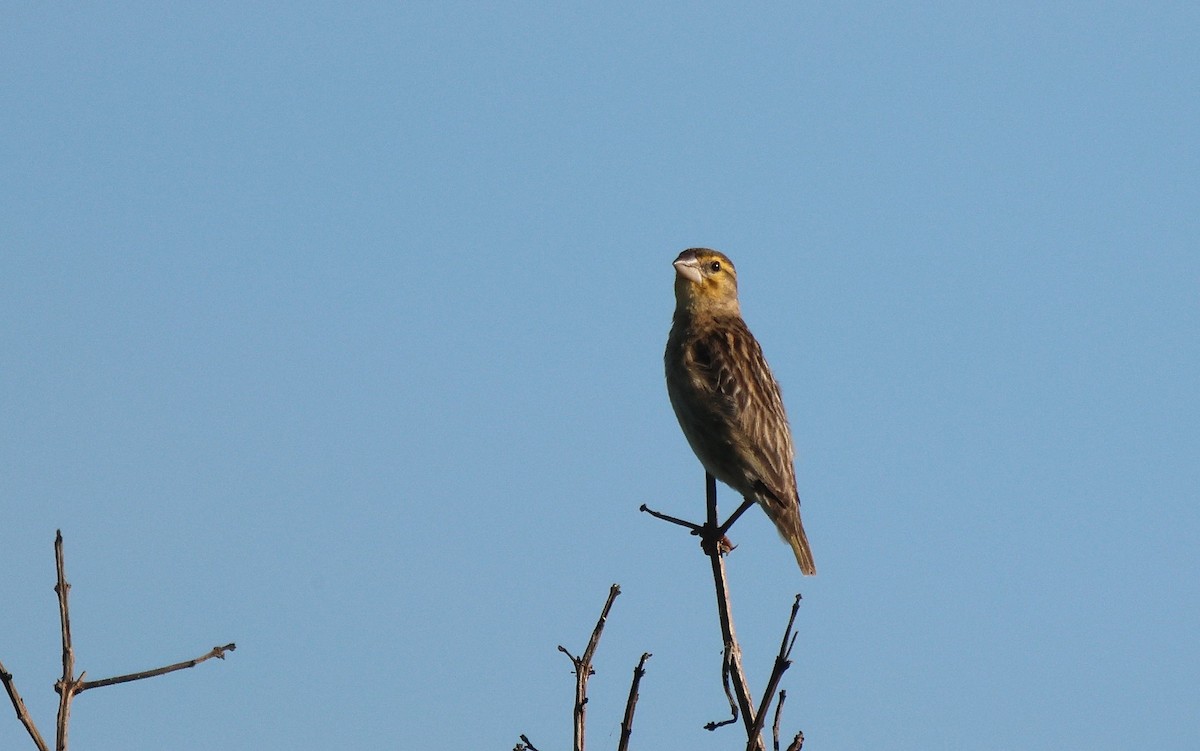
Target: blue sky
336	332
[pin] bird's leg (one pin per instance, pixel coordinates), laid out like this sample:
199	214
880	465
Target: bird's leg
712	535
734	517
711	539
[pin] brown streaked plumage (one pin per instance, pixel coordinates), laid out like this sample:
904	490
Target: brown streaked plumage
725	397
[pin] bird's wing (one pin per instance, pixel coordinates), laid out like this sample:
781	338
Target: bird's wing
730	362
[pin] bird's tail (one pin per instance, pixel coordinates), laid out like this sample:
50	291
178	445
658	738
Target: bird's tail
799	542
791	529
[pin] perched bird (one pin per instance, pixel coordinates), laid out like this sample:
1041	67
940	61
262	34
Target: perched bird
725	397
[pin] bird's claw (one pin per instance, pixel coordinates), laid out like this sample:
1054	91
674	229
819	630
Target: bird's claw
713	541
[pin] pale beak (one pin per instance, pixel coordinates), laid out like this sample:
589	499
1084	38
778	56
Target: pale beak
688	268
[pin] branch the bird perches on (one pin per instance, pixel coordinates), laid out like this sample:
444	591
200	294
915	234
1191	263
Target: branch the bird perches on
733	675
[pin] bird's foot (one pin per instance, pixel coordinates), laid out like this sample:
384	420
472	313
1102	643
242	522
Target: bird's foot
713	540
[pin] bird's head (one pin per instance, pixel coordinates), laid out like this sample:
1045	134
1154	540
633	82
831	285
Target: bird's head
705	282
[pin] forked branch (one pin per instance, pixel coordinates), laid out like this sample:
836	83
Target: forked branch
583	671
713	542
733	675
783	661
583	668
69	685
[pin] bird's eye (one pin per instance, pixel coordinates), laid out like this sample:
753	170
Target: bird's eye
715	266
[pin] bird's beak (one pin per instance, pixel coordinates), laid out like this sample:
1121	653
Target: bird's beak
688	268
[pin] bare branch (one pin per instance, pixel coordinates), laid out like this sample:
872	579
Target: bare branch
715	544
631	703
733	707
594	642
525	745
733	650
702	529
696	528
218	652
19	705
733	675
583	668
67	685
778	716
782	663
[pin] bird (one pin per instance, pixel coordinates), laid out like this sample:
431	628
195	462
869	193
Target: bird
726	400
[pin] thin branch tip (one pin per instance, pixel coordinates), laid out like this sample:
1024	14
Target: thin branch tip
528	744
695	528
631	703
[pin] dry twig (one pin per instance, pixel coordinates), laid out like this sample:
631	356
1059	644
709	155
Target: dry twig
583	668
782	663
68	684
631	703
525	745
734	713
778	715
733	675
218	652
583	671
19	705
713	541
